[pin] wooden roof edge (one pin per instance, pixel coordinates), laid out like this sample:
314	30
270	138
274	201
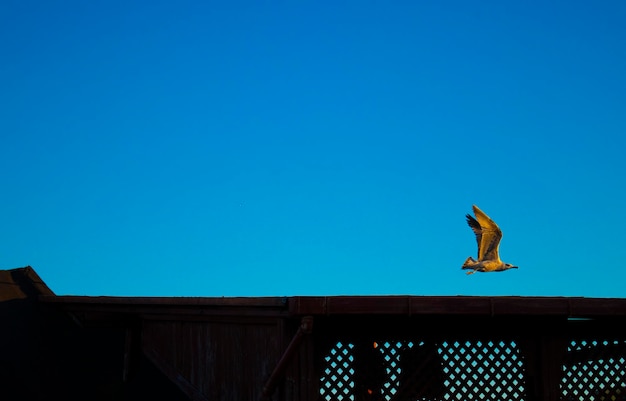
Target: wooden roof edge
279	302
348	304
459	305
38	283
358	305
20	283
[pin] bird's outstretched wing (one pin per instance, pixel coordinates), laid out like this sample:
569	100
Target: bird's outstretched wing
489	238
475	226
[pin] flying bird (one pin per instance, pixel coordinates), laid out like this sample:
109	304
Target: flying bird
488	236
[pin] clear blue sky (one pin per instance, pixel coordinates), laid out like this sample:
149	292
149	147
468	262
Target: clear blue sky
200	148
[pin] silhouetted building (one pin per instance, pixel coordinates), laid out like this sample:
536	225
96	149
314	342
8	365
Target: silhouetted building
307	348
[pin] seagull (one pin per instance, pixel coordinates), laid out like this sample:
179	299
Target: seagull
488	236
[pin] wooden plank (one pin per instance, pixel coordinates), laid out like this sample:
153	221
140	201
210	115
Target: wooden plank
392	305
168	370
368	305
277	302
99	308
458	305
529	306
128	350
451	306
597	306
307	305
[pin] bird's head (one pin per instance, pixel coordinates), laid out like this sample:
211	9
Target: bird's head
509	266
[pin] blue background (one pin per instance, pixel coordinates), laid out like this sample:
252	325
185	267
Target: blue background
238	148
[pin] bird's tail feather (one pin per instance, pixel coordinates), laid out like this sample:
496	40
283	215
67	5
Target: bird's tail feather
469	263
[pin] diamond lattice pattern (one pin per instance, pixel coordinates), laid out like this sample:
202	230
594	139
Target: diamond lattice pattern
415	370
477	370
336	382
595	370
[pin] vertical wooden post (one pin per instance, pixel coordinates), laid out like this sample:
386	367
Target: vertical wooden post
553	351
544	357
306	327
128	351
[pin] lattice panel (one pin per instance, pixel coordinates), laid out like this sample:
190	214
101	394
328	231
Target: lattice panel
478	370
391	357
337	383
595	370
407	370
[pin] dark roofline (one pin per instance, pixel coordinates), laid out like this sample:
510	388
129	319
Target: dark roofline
170	307
460	305
570	307
21	283
169	301
295	306
38	283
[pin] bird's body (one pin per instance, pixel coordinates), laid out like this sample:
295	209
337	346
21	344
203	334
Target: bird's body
488	236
